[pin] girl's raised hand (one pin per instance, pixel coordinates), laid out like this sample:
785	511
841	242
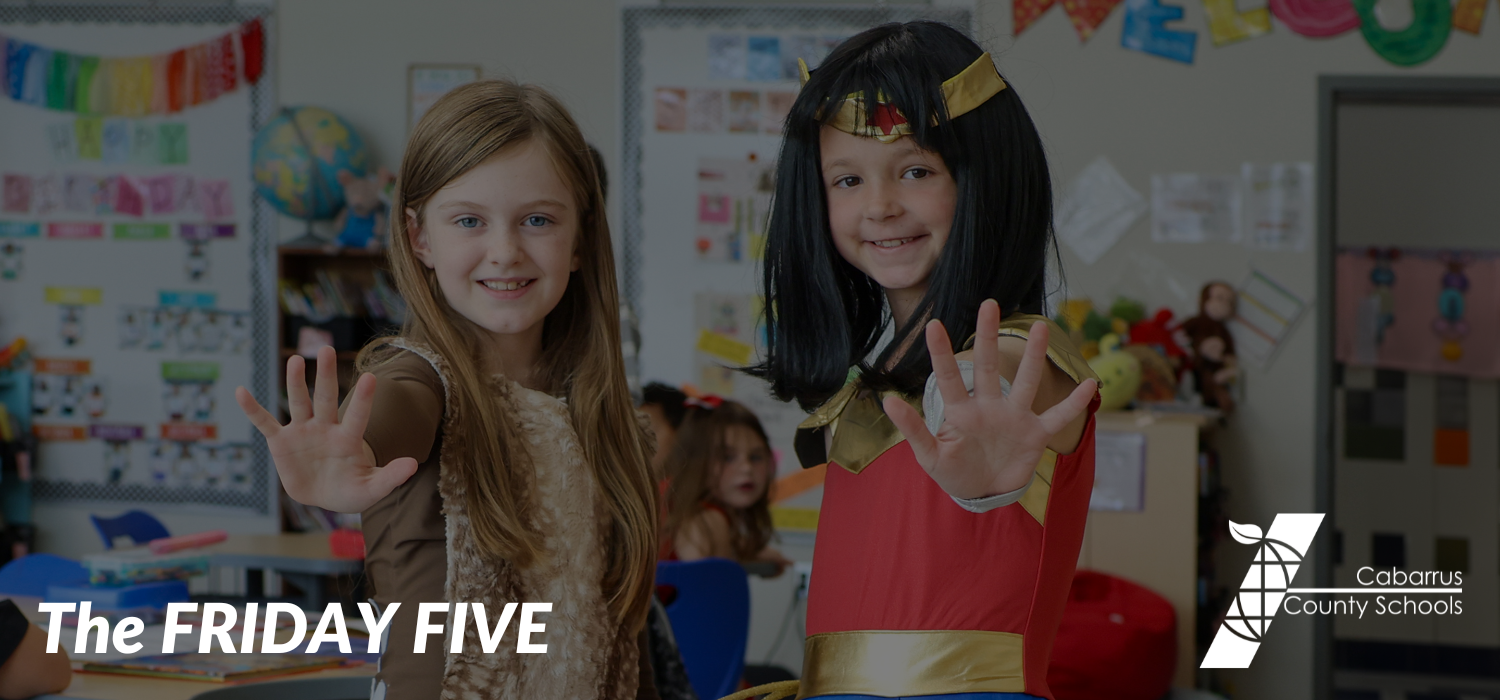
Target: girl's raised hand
323	461
990	442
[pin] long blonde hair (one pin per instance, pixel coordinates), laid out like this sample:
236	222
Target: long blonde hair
580	340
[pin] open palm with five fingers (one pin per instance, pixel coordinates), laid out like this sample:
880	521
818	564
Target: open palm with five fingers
324	461
989	442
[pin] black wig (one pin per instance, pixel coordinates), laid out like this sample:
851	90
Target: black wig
823	315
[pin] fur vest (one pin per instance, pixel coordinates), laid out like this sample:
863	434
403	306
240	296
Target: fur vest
588	654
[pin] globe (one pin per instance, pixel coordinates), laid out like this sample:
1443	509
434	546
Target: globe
296	158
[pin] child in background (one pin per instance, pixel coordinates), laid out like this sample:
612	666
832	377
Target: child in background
515	468
720	473
666	407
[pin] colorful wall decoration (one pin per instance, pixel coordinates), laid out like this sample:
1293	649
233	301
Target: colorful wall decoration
1146	29
133	86
1419	310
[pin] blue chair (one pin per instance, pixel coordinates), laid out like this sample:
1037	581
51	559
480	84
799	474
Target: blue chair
32	574
141	527
710	616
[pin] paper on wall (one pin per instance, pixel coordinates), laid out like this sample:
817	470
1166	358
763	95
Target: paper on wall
1263	317
726	57
1278	205
1194	208
1119	471
1098	207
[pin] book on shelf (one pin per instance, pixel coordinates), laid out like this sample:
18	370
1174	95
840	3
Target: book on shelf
218	667
332	294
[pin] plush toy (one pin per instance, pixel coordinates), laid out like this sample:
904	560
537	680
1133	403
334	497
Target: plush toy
362	222
1211	346
1119	374
1157	333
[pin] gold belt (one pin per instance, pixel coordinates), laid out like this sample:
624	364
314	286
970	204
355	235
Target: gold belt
901	663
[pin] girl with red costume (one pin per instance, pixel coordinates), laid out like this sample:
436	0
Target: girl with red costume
913	199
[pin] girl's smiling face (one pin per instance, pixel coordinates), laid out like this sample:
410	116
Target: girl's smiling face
745	472
890	206
501	240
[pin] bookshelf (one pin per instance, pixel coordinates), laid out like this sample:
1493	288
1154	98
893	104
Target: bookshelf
347	296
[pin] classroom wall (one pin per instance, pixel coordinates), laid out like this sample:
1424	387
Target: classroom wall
1255	101
1250	101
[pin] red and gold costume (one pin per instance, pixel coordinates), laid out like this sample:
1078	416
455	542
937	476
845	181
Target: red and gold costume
913	594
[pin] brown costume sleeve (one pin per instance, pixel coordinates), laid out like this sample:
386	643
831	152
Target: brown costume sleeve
405	554
407	411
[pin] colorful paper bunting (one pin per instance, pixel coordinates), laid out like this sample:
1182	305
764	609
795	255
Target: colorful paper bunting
1419	41
132	86
1145	30
1226	24
1086	15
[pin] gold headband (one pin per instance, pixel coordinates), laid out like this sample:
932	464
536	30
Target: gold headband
973	86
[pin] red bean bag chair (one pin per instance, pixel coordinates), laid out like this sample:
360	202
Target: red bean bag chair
1117	641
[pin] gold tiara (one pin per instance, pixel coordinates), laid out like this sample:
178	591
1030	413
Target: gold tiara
973	86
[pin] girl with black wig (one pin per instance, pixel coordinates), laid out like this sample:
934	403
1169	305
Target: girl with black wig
912	197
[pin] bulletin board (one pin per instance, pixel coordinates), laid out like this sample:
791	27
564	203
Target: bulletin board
705	91
137	260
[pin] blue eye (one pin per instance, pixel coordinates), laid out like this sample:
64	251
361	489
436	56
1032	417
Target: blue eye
537	220
468	222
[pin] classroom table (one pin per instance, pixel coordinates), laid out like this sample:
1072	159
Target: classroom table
102	686
299	557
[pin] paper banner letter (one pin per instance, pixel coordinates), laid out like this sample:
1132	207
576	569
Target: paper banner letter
1086	15
1468	15
185	195
172	143
104	195
252	49
1420	41
17	53
195	81
1316	18
60	77
48	196
61	138
34	91
17	198
1024	12
1145	31
1226	24
83	87
143	148
89	135
216	200
177	80
116	143
78	193
159	88
161	193
128	199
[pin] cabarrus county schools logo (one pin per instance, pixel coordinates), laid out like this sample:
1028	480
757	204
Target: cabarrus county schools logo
1279	555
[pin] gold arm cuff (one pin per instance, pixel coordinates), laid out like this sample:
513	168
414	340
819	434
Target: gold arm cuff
902	663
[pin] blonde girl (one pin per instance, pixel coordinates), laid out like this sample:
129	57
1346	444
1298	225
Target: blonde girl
514	467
